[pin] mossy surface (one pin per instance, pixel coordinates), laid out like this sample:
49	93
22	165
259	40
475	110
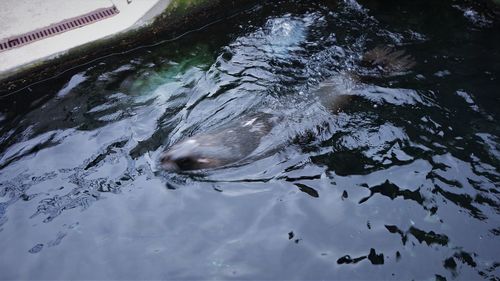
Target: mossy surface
185	5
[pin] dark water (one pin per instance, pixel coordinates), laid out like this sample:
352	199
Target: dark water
401	183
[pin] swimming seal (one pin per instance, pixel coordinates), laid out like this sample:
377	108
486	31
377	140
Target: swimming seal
238	139
219	147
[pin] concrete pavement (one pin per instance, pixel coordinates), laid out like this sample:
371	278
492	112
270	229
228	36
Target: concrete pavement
21	16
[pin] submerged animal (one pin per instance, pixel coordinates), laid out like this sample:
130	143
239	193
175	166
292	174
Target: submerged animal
237	140
219	147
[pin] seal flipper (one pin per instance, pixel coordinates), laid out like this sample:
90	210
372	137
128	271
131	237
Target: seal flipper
335	92
388	60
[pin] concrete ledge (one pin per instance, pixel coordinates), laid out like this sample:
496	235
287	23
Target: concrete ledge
142	22
43	13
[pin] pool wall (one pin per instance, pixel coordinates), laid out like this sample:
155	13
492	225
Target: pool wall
167	19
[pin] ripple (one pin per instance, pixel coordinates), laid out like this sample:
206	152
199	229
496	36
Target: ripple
384	172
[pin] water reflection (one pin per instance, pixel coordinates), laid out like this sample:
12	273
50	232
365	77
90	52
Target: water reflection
402	176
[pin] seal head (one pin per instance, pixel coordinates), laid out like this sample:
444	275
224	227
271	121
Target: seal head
219	147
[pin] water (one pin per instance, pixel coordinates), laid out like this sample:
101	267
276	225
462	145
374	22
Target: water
401	182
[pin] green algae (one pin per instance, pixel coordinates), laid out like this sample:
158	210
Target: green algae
199	57
184	5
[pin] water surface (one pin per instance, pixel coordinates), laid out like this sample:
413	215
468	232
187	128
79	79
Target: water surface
401	182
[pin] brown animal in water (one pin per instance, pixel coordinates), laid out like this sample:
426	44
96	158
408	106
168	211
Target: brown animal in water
388	60
238	139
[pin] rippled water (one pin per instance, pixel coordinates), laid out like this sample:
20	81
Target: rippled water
400	182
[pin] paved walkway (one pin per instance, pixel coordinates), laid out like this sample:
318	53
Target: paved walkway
21	16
